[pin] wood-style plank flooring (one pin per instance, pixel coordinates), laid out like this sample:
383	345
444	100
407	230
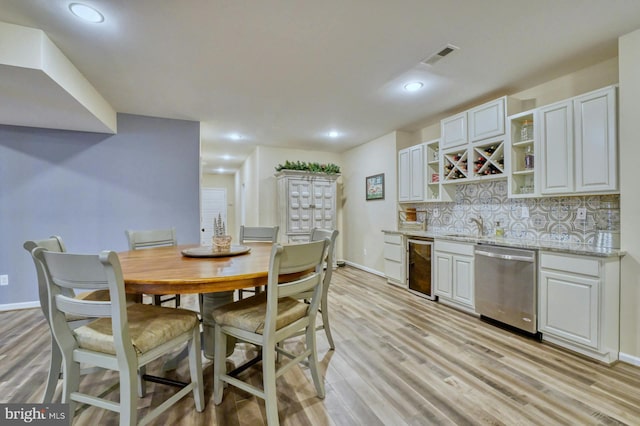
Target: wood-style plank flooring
399	360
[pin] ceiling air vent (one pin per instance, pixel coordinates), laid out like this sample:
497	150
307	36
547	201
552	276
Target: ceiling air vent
431	60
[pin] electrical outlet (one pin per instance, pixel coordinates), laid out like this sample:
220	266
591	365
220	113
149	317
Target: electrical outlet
4	279
365	252
582	213
524	213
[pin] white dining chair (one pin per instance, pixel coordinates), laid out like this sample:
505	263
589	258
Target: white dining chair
272	316
256	234
124	338
56	244
154	238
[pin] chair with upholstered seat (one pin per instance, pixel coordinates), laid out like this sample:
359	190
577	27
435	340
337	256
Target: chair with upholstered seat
55	243
154	238
272	316
123	338
258	234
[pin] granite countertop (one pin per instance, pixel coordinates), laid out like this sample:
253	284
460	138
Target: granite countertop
557	246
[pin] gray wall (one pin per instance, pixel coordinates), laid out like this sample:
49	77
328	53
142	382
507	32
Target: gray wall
88	188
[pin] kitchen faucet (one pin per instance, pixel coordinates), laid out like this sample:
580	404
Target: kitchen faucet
478	221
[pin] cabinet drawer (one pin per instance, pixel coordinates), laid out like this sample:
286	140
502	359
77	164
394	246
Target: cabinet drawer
574	264
294	239
453	247
393	252
393	270
393	239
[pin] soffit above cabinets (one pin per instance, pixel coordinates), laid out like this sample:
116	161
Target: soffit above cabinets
40	87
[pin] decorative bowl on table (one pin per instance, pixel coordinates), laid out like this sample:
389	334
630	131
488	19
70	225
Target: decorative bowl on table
221	243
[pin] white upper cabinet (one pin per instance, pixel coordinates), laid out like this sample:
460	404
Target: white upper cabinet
578	142
486	120
556	148
453	131
417	172
404	175
595	141
411	170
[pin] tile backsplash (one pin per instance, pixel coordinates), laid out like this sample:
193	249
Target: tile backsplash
550	218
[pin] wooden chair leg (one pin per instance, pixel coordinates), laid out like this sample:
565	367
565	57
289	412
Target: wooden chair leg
142	384
55	365
269	384
313	361
128	397
219	364
195	367
326	326
70	384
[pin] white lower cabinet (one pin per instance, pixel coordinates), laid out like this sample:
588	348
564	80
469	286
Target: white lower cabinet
578	306
454	274
394	259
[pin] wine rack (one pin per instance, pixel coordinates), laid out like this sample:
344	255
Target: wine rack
488	160
454	166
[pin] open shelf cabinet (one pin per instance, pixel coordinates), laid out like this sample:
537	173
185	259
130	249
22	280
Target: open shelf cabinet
522	149
432	191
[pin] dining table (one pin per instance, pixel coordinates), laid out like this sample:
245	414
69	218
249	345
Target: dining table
214	275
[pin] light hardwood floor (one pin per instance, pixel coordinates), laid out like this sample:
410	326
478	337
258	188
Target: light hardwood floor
399	360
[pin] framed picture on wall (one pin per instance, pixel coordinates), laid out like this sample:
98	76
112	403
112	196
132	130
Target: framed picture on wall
375	187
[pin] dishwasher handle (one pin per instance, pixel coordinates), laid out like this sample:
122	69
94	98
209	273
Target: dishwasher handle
504	256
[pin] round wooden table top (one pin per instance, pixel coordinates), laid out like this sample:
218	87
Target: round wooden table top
164	270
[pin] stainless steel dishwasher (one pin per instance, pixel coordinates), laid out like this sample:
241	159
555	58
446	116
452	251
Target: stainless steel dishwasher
506	285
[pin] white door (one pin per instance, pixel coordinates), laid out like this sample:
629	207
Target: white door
404	175
300	206
463	280
453	131
595	139
213	202
487	120
444	277
417	173
557	148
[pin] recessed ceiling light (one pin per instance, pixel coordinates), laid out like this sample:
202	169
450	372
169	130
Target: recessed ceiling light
413	86
220	170
226	157
333	134
235	136
87	13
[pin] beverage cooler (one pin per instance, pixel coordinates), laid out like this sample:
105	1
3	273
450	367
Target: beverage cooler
420	267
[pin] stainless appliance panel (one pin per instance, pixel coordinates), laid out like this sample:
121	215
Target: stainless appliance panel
420	267
506	285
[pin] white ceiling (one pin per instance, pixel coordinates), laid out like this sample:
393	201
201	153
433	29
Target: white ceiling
285	72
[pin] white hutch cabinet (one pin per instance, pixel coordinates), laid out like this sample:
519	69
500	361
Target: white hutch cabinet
305	201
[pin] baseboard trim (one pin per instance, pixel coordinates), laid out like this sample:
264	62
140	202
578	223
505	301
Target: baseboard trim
21	305
629	359
365	268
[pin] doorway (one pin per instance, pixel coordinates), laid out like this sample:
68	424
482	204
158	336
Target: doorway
213	203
